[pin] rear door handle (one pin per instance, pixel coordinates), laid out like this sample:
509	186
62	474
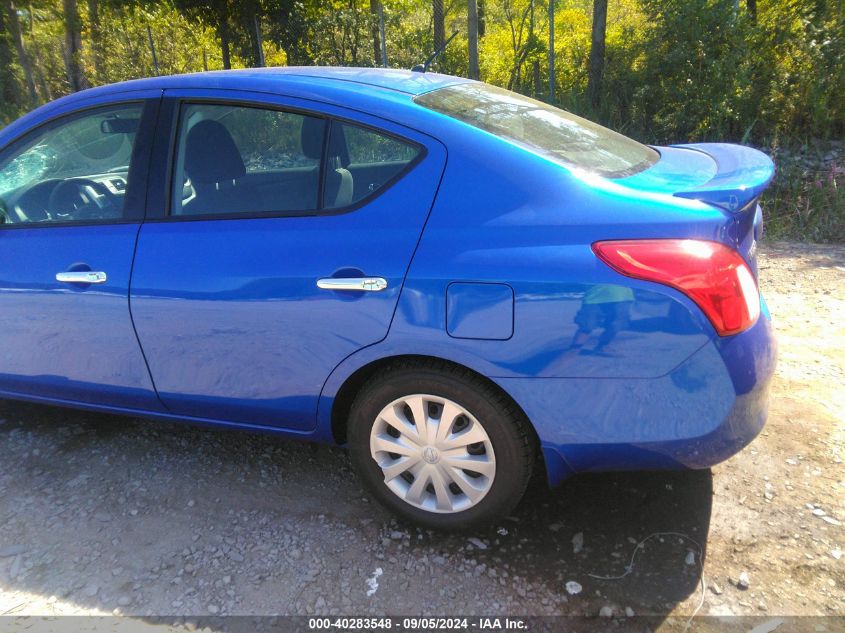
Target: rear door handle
367	284
82	277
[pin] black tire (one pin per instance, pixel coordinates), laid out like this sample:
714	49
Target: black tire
506	426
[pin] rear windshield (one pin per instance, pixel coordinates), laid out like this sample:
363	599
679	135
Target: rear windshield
541	128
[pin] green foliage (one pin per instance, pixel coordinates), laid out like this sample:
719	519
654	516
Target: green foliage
807	199
675	70
701	70
408	29
179	43
339	33
45	42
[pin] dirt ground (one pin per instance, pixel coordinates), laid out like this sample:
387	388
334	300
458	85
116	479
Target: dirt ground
103	514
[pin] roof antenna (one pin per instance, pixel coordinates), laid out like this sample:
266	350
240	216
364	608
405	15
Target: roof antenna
421	68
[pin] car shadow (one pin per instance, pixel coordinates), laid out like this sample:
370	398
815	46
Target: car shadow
100	512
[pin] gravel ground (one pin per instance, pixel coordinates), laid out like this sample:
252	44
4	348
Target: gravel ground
102	514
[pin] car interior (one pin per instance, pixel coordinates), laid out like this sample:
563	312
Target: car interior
223	171
263	174
76	172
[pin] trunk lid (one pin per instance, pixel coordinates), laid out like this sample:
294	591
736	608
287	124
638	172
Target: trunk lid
729	177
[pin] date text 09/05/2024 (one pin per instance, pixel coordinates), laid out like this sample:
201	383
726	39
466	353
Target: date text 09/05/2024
482	624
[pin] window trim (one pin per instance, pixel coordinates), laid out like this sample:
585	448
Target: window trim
135	205
176	122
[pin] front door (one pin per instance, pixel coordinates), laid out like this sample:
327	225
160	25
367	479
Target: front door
71	199
285	244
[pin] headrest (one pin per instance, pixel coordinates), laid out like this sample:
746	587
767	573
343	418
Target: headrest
211	155
311	137
312	133
337	145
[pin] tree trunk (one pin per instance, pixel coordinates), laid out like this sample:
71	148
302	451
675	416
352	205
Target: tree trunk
472	28
96	39
596	70
751	6
374	31
259	41
551	51
42	81
8	89
223	32
73	46
23	57
482	22
531	20
353	33
38	69
256	38
439	25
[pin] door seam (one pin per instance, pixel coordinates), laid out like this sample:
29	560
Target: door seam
156	131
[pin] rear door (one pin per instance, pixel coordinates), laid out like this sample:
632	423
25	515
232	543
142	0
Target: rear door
72	197
283	238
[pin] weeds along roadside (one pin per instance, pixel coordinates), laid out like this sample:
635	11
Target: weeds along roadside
806	201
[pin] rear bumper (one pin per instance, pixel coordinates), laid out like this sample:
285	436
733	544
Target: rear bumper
701	413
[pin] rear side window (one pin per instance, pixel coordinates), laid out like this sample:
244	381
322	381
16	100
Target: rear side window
568	139
239	159
234	159
360	162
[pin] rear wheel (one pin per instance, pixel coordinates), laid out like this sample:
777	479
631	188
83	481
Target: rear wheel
439	445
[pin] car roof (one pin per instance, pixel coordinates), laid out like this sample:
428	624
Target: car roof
277	78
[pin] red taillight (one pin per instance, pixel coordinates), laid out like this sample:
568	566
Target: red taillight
711	274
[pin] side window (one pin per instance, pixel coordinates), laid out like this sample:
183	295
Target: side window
75	169
240	159
360	162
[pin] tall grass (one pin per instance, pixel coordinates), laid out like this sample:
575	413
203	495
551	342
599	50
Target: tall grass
806	200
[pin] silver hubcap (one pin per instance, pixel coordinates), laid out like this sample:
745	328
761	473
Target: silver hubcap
434	454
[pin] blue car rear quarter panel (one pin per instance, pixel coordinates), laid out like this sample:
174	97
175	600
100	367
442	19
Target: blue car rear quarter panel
647	384
523	221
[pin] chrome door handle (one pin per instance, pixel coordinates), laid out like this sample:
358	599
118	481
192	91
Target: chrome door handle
368	284
82	277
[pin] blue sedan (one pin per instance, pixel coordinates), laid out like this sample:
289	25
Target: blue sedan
463	285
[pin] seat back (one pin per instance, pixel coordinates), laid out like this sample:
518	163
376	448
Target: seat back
214	164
